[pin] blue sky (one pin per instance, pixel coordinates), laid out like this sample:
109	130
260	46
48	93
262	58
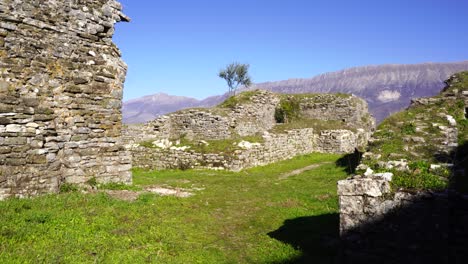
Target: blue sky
178	46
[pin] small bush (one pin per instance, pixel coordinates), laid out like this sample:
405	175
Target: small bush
279	115
68	187
419	165
288	110
408	129
419	181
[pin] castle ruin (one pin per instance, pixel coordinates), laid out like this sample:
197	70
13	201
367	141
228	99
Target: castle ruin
61	81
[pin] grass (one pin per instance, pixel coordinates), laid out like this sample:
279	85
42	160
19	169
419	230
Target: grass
238	99
246	217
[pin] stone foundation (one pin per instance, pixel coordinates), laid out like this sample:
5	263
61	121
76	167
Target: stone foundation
276	147
61	80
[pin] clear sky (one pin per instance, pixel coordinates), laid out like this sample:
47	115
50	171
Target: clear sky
178	46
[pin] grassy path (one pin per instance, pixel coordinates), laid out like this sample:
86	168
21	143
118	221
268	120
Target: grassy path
301	170
246	217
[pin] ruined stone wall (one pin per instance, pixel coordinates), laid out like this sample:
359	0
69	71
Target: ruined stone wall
192	124
61	81
256	116
276	147
378	224
349	109
249	118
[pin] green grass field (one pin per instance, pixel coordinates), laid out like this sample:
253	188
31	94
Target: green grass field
248	217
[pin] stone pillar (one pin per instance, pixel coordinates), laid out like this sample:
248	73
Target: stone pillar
61	81
363	200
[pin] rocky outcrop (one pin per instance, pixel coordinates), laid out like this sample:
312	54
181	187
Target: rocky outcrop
61	81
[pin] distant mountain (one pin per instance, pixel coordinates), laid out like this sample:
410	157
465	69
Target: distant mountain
386	88
148	107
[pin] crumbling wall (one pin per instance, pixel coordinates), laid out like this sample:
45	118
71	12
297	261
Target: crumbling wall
191	124
254	114
378	224
276	147
249	118
61	81
351	110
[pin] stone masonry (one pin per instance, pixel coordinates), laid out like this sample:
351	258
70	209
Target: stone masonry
251	117
381	225
61	81
276	147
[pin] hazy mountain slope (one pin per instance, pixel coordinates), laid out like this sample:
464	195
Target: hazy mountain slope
148	107
387	89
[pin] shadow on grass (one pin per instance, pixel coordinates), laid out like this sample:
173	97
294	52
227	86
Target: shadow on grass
350	161
316	236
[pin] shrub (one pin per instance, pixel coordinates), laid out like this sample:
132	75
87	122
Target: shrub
408	129
288	110
68	187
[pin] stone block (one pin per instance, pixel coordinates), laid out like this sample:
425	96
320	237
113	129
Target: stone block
15	141
363	186
377	207
351	204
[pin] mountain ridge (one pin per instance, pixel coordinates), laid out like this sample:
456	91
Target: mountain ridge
387	88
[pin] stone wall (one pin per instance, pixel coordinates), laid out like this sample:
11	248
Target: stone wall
251	117
349	109
252	114
61	81
378	224
276	147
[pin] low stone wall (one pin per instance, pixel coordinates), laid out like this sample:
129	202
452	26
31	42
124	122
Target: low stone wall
276	147
378	224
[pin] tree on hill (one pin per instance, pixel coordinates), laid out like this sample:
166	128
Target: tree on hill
236	74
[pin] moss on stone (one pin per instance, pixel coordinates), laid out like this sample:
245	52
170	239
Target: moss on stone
239	99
